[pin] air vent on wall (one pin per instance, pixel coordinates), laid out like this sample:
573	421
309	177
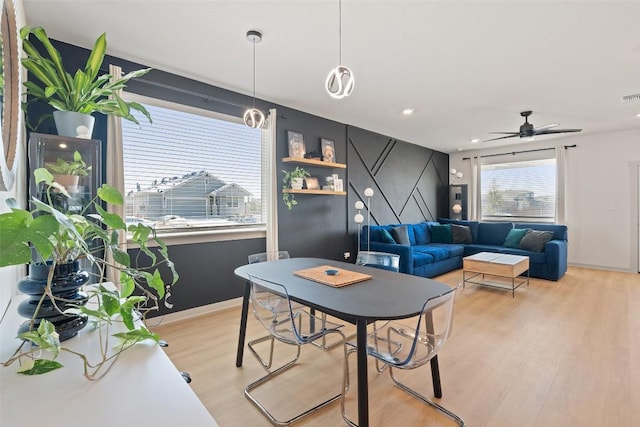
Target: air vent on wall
629	98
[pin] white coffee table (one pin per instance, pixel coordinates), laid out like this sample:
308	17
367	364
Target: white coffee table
506	266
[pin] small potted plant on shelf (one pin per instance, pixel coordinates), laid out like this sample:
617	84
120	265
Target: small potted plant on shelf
75	97
67	173
293	180
52	242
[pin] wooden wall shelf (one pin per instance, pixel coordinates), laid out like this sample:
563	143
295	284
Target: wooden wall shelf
324	192
314	162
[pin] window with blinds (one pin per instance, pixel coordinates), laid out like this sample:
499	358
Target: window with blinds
191	169
520	190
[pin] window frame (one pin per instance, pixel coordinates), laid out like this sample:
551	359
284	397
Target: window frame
520	158
204	234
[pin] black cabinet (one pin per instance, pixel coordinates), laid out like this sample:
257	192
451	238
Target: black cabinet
458	206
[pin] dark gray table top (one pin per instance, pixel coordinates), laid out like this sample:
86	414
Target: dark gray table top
388	295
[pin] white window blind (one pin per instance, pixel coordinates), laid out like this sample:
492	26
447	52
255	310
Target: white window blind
191	168
520	190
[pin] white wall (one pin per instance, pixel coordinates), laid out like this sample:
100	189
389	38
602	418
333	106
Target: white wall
9	276
602	232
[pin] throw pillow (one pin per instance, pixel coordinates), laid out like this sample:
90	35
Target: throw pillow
535	240
460	234
441	233
401	235
514	237
385	236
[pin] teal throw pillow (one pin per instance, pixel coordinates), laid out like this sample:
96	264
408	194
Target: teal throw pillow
514	237
441	234
386	237
535	240
401	235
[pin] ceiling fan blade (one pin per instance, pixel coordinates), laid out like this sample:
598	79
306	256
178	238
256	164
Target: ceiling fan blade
550	131
502	137
505	133
550	125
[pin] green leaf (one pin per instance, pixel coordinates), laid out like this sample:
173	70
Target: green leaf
120	256
127	316
19	229
127	285
111	220
111	305
157	283
137	335
43	175
39	366
110	195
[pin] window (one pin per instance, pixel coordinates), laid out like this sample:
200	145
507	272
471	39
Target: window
523	190
191	169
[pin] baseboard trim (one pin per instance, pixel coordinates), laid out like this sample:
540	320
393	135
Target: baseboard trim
602	267
193	312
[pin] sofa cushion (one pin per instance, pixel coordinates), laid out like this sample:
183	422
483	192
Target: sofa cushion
534	240
421	233
421	258
385	236
401	235
493	233
461	234
534	257
513	238
437	252
441	233
453	249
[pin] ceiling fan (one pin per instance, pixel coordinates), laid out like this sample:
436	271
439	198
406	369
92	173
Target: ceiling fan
528	131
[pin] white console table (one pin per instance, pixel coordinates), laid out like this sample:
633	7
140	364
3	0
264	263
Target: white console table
143	388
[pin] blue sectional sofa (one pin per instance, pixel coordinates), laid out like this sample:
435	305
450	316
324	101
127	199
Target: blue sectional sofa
421	256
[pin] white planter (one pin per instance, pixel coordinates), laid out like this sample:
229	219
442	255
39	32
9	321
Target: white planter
296	183
76	125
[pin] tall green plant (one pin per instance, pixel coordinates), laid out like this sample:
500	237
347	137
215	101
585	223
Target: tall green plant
84	92
55	238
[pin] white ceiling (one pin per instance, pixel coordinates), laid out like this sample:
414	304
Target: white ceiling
467	67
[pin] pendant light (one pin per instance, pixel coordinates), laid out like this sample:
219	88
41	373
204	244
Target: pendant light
254	117
340	80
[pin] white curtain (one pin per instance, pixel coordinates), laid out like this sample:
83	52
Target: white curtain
115	167
475	196
561	184
270	185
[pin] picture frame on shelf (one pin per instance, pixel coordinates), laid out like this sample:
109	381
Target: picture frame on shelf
296	145
312	183
328	150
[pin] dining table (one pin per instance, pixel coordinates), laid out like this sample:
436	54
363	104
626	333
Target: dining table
385	295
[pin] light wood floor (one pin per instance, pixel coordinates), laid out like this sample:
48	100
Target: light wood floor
561	353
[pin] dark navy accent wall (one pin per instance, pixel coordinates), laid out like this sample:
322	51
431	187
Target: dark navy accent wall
410	183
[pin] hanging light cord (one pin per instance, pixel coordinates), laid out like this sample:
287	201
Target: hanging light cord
254	74
340	31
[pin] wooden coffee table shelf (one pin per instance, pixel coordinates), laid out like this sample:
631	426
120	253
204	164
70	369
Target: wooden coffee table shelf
498	265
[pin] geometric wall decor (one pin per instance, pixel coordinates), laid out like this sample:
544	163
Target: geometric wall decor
410	182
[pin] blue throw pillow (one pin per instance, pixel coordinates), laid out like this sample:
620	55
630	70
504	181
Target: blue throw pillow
514	237
386	237
441	234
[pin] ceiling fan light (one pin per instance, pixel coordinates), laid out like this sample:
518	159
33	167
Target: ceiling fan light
340	82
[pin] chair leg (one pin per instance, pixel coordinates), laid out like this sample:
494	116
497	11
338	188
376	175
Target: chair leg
345	387
265	364
270	375
429	402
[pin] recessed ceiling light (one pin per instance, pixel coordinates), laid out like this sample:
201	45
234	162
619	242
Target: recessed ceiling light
459	149
638	115
475	140
408	111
